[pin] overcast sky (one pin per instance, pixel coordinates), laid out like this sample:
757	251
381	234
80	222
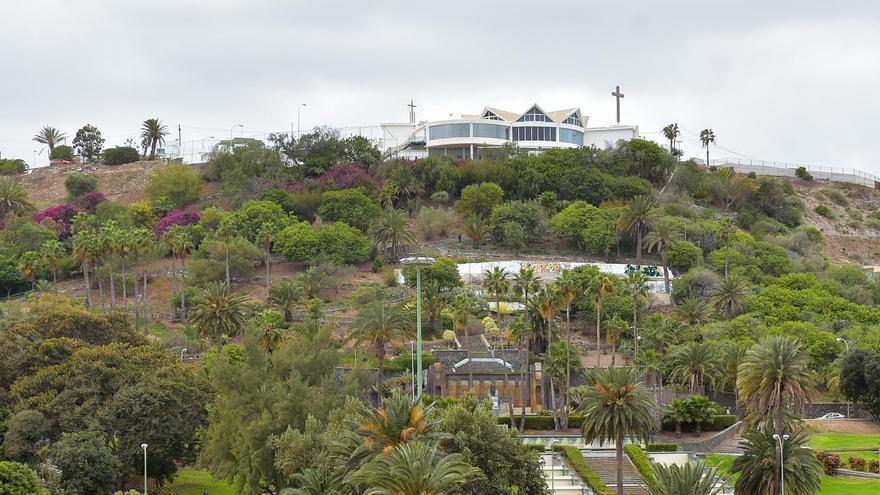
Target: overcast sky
786	81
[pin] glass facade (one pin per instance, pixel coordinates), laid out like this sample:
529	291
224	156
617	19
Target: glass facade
571	136
573	120
534	115
535	133
491	116
492	131
445	131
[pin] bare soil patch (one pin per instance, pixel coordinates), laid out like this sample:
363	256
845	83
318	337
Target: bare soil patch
845	426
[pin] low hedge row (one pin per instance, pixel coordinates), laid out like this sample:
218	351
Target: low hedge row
718	422
661	447
543	422
579	465
642	463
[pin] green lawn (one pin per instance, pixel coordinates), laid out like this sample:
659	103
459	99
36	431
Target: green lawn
824	441
195	482
831	485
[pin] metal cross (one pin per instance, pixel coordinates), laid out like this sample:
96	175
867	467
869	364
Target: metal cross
412	112
618	95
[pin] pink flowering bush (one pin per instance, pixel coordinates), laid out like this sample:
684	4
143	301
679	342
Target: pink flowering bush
344	176
176	217
88	202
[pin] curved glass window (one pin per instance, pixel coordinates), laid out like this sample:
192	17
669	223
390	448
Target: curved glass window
491	131
534	115
445	131
573	120
534	133
571	136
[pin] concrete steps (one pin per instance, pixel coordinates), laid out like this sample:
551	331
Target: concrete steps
560	479
605	465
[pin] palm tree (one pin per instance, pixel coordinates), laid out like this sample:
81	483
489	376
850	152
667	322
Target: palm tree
693	311
616	407
638	286
84	243
707	137
180	246
732	355
678	412
392	227
775	374
639	216
284	295
694	364
614	329
13	198
702	409
217	313
547	304
404	184
671	132
153	133
225	232
659	239
729	296
694	478
758	473
476	228
50	136
561	358
312	481
375	325
566	292
399	420
265	237
28	266
601	287
415	468
495	282
51	253
525	282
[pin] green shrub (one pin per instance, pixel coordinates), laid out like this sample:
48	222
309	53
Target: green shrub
79	184
180	184
823	210
62	152
544	422
856	463
801	172
720	422
835	197
351	206
830	462
343	244
435	222
10	167
191	293
662	447
683	255
297	242
579	465
120	155
642	463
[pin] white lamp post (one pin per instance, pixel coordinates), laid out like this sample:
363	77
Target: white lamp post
846	343
781	462
144	446
418	261
182	352
230	134
412	367
298	109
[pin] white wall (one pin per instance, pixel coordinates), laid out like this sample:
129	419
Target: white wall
604	137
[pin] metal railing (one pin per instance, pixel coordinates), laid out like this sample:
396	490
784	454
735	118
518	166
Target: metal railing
825	169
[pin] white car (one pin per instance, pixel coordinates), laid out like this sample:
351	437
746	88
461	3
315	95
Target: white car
832	415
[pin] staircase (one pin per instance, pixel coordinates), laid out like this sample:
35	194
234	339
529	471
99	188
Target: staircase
605	465
560	479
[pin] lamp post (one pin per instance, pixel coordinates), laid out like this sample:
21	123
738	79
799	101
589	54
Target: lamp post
182	352
230	134
298	109
418	261
846	343
412	367
144	446
781	462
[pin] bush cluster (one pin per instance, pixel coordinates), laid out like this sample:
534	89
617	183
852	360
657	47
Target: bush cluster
120	155
830	462
642	463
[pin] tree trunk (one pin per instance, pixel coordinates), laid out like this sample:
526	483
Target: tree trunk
635	328
144	295
778	425
268	280
173	276
182	293
153	150
639	248
665	271
124	284
567	367
227	265
598	337
698	427
618	447
525	390
112	287
100	292
678	429
553	404
380	374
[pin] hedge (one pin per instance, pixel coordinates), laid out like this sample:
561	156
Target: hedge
120	155
662	447
545	422
641	461
718	422
577	463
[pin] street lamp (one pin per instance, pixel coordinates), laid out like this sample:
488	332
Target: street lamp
418	261
846	343
781	462
298	130
230	133
144	446
182	352
412	367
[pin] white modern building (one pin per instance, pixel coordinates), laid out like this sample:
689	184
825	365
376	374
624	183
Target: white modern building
534	130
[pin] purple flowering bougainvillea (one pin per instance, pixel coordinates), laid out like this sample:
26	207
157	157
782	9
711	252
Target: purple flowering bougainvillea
176	217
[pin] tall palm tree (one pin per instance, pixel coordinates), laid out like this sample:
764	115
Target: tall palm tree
51	253
495	282
638	217
525	282
216	312
694	478
392	227
671	132
476	228
153	133
732	355
660	238
265	237
615	407
599	290
758	473
637	282
729	296
547	304
561	358
415	468
707	137
566	292
111	237
181	244
376	324
614	329
694	364
775	374
13	198
50	136
693	311
284	295
29	266
84	242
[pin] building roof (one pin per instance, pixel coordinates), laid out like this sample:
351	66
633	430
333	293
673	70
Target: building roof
556	115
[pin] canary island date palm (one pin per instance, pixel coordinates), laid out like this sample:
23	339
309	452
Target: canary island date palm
758	466
51	137
659	239
13	198
284	295
153	133
399	420
694	364
525	282
775	374
216	312
639	216
315	481
415	468
694	478
693	311
677	412
729	295
495	282
602	287
375	325
392	228
615	407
